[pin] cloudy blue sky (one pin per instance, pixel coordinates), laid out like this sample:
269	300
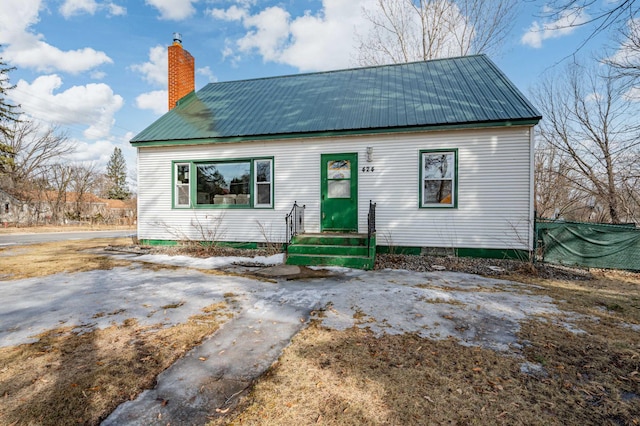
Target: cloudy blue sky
97	68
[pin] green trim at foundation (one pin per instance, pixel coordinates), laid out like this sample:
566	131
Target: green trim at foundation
165	243
415	251
172	243
458	252
494	253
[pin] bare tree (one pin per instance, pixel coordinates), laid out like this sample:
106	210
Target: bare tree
618	17
594	126
35	148
626	60
59	177
413	30
553	175
83	182
603	15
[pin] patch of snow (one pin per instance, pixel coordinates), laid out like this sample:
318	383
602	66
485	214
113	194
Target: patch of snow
533	369
216	262
433	304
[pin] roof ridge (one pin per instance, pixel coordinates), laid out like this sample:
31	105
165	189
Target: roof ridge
400	64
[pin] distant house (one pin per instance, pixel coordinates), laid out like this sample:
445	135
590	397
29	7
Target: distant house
444	148
47	207
10	208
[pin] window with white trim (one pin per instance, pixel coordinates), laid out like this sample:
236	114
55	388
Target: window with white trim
182	189
438	174
263	183
239	183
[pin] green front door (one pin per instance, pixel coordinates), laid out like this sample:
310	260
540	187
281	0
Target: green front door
339	192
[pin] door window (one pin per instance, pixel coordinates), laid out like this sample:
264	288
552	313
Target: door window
339	179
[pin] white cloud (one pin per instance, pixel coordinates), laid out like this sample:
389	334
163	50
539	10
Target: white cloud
633	94
156	101
29	52
233	13
24	48
116	10
566	24
207	73
76	7
628	53
97	151
155	70
98	75
322	41
173	10
71	8
24	13
270	30
327	40
92	105
593	97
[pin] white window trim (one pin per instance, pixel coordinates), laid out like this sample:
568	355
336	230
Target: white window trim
453	179
256	183
177	185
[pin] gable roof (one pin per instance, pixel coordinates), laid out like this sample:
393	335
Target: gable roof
457	92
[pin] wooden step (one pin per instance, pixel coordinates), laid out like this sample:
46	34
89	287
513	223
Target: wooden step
358	262
331	239
328	249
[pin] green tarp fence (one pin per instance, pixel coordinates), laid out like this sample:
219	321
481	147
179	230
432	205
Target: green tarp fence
589	244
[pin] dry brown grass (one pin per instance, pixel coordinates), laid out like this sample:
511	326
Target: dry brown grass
609	295
69	377
38	260
351	377
72	378
65	228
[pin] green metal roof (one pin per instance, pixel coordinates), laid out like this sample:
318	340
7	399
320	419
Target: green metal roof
455	92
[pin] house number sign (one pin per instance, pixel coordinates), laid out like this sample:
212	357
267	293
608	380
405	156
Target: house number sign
368	169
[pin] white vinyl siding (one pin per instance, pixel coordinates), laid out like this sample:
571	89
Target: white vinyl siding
494	189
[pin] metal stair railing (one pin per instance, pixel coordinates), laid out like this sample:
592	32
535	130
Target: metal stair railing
371	224
295	221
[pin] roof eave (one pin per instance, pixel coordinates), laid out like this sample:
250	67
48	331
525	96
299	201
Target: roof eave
530	121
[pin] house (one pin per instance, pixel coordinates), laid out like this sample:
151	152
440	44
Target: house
443	149
46	207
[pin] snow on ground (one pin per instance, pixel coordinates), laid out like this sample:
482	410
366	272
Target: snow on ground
476	310
210	262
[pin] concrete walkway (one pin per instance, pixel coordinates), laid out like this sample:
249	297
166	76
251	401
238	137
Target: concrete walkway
214	375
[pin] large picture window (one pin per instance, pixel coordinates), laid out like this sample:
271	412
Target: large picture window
438	178
225	184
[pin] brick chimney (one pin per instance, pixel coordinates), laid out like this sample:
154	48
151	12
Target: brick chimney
181	71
